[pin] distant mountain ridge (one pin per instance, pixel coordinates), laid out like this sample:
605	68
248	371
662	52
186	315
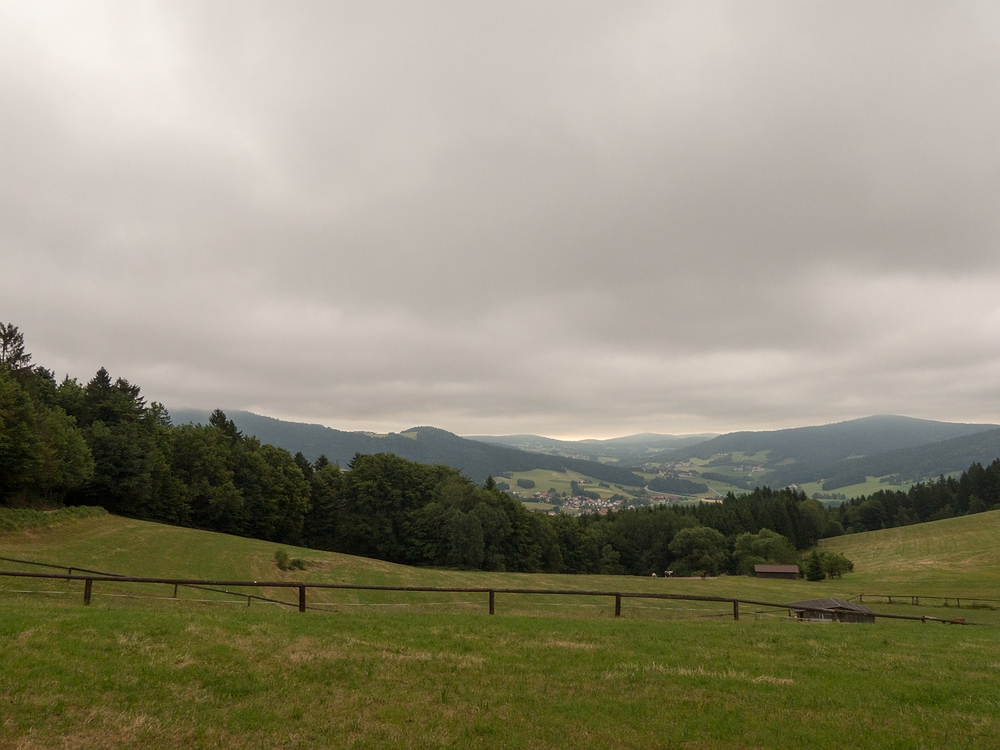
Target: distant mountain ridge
428	445
876	446
838	454
630	449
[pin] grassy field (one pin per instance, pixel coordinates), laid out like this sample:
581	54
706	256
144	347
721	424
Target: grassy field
950	557
560	481
434	670
697	465
545	479
966	562
105	677
532	505
870	486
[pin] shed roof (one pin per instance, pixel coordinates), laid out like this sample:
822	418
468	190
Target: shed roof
830	604
776	569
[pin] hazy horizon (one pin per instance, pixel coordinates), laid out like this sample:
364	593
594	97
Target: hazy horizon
583	437
554	218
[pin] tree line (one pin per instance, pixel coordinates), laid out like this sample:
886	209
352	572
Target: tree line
100	443
976	490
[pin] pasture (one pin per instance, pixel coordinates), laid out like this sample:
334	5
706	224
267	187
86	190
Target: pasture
545	479
870	486
378	669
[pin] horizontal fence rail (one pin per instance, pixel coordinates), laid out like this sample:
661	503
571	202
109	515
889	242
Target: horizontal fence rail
70	568
971	602
220	585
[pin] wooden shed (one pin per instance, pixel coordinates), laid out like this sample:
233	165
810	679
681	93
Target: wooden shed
831	610
776	571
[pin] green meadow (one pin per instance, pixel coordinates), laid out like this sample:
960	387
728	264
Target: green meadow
384	669
870	486
546	479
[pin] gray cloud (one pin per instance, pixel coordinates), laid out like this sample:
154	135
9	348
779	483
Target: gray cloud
575	219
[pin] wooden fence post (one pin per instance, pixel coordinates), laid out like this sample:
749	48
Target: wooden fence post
492	592
302	598
736	609
618	605
88	587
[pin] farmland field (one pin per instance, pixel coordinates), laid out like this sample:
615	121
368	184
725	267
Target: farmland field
870	486
383	669
546	479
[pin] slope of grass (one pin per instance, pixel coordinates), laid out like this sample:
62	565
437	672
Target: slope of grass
949	557
434	670
126	546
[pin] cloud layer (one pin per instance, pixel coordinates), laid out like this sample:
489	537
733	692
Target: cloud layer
564	218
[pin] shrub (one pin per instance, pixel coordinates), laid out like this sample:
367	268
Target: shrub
284	562
835	565
526	484
281	560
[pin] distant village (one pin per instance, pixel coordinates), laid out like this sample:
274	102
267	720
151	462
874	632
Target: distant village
577	505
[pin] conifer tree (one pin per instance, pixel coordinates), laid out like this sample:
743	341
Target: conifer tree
814	567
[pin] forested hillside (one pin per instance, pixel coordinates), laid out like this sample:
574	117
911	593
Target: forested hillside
875	446
101	444
428	445
920	462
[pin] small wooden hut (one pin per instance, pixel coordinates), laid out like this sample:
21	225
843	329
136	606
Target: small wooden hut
776	571
831	610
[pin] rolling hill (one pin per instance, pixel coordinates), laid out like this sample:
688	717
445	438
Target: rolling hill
951	557
403	670
878	445
628	450
919	462
427	445
955	556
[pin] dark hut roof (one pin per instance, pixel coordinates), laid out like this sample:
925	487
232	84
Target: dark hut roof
835	604
776	569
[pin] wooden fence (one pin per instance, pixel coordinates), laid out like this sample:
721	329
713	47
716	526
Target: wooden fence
971	602
224	586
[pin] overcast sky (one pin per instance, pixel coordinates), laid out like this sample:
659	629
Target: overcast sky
574	219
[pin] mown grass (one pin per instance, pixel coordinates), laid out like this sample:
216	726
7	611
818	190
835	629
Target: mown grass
124	677
946	558
434	670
